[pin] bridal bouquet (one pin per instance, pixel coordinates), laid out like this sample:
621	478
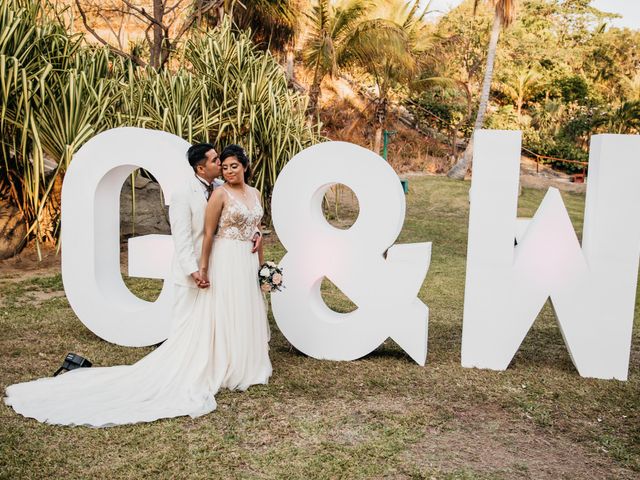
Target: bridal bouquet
270	276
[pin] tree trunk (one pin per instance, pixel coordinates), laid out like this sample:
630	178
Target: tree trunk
158	34
165	51
289	70
314	91
459	170
377	142
381	117
199	10
519	104
454	140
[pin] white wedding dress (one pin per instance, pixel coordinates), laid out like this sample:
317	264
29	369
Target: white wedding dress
223	343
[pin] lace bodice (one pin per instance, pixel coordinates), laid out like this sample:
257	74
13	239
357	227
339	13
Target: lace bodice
237	221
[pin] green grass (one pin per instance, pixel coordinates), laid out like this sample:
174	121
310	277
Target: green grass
382	416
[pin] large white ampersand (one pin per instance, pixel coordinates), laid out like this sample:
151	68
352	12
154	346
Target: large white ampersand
384	289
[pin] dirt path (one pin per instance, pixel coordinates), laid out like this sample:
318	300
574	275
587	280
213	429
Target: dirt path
27	265
547	177
490	441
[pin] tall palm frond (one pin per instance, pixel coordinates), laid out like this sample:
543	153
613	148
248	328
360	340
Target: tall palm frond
625	119
505	10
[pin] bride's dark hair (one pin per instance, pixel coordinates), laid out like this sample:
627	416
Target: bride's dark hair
237	151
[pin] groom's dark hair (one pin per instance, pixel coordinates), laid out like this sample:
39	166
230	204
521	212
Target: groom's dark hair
196	154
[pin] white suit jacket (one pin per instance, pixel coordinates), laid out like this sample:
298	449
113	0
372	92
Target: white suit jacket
186	215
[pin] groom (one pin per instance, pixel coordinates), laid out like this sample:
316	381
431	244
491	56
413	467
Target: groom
186	215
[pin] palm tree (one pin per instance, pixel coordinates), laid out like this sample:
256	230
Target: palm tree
623	119
505	12
549	116
390	55
333	28
520	86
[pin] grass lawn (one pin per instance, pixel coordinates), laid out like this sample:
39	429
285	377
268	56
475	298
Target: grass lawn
382	416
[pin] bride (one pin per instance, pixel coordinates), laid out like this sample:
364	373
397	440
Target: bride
222	343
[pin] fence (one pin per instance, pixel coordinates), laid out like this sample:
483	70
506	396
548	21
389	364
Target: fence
578	177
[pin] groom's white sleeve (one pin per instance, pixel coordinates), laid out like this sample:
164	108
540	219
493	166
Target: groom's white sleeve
180	220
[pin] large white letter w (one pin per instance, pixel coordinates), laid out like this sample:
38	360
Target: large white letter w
592	288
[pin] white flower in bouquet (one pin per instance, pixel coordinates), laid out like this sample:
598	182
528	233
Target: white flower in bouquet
270	277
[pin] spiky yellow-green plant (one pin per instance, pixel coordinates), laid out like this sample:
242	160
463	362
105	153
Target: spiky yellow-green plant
33	55
55	94
247	90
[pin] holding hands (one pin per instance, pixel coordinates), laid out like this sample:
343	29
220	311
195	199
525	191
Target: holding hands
201	278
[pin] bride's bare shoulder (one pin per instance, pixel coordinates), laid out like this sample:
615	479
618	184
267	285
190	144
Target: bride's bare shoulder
218	195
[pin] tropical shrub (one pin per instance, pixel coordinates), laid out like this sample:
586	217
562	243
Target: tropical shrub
56	93
48	108
247	90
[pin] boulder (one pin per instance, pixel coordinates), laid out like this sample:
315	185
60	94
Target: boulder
12	230
151	214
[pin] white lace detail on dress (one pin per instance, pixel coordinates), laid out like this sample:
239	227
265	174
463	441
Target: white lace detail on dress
237	221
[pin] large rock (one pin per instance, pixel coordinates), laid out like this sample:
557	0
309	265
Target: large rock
12	230
151	213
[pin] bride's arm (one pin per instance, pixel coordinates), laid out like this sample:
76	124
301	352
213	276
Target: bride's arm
260	251
260	254
211	218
